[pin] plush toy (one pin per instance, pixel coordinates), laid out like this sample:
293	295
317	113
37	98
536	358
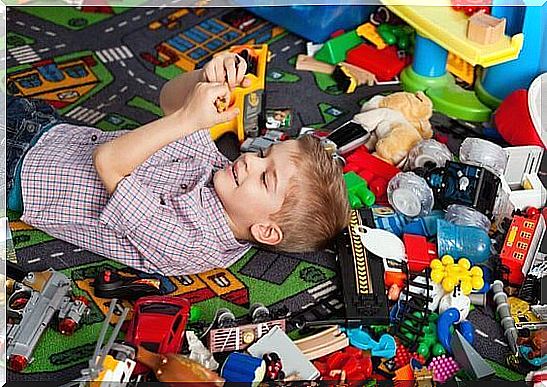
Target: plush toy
397	122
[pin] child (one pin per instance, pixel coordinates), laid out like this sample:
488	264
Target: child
161	198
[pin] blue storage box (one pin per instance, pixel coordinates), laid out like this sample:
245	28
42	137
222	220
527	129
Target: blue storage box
316	22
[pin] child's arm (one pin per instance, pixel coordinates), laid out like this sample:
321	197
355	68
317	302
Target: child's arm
223	67
118	158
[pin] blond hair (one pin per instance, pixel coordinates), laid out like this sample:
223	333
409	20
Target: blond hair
316	207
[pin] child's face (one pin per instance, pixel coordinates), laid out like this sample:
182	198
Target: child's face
254	186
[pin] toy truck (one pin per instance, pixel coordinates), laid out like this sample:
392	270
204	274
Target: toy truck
39	297
248	100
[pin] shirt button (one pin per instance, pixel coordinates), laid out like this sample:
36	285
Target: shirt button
183	186
94	137
176	160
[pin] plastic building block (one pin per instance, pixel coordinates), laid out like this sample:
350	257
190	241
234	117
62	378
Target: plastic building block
370	33
469	358
485	29
385	64
242	368
403	356
335	50
448	28
444	368
376	172
460	68
419	252
359	194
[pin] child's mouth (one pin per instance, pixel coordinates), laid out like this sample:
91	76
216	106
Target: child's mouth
234	173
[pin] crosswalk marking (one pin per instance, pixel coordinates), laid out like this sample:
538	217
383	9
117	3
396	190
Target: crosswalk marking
24	54
86	115
114	54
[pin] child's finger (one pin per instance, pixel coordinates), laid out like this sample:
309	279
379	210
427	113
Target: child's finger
228	115
230	67
220	74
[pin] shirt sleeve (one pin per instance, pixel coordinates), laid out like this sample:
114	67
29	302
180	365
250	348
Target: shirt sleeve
197	145
167	244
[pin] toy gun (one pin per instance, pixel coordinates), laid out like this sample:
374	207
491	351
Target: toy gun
33	303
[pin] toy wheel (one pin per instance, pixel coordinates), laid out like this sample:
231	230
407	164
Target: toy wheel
259	313
225	318
228	145
67	326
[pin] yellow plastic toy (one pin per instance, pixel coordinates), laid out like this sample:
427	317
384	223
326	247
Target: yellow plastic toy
249	99
450	274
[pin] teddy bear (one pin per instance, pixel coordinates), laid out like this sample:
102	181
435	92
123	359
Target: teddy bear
397	122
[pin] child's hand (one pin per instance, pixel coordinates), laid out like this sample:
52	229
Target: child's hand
226	67
200	111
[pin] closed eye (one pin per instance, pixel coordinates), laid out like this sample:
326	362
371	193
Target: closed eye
264	179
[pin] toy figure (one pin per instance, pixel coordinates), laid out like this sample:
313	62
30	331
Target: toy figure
177	368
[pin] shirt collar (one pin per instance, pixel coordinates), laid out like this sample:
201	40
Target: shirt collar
211	202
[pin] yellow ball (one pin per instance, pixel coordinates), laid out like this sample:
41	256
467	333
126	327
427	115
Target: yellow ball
464	263
448	283
477	282
436	264
447	260
437	275
476	271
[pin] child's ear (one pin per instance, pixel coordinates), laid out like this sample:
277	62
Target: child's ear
267	233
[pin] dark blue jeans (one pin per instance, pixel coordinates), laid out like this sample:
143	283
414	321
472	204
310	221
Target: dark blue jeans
26	121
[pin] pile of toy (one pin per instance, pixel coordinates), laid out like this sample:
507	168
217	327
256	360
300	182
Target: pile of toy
433	235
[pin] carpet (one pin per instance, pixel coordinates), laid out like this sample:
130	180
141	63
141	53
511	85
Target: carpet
104	67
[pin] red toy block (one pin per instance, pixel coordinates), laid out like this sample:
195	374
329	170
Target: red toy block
376	172
385	63
419	252
355	363
403	356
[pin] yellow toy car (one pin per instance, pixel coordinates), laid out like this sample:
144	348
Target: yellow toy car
248	100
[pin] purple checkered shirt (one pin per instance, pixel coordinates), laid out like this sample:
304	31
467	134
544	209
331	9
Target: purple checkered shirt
165	217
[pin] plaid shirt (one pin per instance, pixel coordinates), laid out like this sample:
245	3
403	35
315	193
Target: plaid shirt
165	217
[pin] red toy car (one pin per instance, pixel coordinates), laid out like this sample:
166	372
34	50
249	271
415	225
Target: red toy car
158	325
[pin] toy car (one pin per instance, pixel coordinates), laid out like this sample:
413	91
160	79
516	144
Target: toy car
158	324
248	100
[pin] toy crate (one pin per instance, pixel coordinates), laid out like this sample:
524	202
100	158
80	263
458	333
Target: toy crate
316	23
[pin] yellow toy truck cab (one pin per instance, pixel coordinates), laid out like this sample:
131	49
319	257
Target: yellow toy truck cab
248	100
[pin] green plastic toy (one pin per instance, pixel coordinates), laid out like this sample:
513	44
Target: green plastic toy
358	192
400	35
428	343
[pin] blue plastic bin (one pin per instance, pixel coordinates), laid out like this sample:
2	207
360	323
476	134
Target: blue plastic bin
316	22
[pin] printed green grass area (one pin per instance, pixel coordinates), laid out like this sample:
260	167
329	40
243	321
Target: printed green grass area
280	76
504	372
327	84
144	104
15	40
113	122
323	107
168	72
28	238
